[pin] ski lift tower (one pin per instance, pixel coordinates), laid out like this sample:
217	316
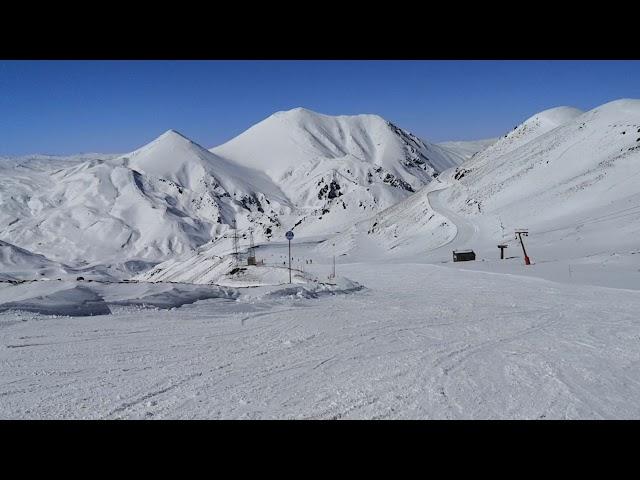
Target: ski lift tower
234	237
252	250
519	234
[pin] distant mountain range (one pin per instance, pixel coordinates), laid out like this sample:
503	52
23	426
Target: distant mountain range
353	179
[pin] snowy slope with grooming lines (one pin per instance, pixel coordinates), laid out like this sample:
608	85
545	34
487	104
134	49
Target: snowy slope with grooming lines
403	348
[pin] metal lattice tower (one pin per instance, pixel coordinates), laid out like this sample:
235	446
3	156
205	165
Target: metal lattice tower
235	242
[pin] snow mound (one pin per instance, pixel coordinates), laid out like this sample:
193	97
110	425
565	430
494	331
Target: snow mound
340	285
256	276
206	268
95	298
74	301
18	263
163	296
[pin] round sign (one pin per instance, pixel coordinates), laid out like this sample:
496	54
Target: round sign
289	235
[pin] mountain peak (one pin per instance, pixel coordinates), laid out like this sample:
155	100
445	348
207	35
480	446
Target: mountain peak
559	115
173	134
172	140
302	114
630	105
297	112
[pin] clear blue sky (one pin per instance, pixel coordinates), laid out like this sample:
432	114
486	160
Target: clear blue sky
64	107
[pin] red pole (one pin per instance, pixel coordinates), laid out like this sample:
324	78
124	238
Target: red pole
526	258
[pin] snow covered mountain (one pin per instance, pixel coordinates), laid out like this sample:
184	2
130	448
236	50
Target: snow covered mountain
337	169
559	162
18	264
333	170
570	177
296	169
163	199
467	149
354	176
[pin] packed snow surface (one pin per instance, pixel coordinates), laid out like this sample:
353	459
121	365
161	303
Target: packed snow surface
421	341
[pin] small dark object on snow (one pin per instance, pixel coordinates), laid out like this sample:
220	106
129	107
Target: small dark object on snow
80	279
463	255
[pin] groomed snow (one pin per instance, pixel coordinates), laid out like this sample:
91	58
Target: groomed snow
421	341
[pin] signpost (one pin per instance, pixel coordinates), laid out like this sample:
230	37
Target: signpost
289	236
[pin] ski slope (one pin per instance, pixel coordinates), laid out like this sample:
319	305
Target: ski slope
566	175
402	332
421	342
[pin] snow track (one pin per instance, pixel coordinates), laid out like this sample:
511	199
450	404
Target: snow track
466	230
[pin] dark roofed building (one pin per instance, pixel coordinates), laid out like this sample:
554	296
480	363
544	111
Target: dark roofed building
463	255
